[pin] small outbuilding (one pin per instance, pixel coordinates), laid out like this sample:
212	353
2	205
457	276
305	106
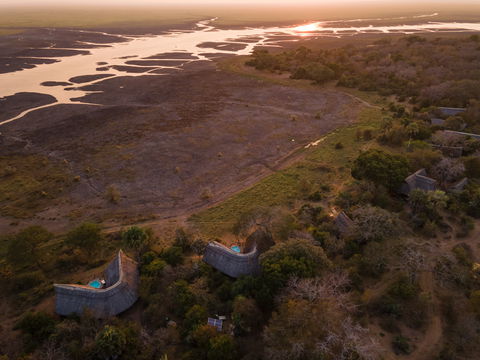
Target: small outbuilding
418	181
119	293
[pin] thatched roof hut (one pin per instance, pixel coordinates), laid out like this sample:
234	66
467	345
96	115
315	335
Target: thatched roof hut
119	294
449	111
343	223
459	186
474	136
230	262
418	180
452	151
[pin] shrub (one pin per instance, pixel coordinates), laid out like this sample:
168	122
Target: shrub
199	246
401	345
222	347
403	289
472	167
173	255
246	315
25	281
22	247
110	342
154	268
381	168
183	297
37	327
314	71
87	236
299	258
135	237
374	224
195	316
182	239
112	194
316	196
202	335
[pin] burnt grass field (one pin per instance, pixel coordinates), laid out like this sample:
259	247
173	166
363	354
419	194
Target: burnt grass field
159	145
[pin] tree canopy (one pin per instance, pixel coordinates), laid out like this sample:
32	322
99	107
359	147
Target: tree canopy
381	168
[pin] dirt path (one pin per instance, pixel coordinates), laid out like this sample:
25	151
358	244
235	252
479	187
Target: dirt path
428	346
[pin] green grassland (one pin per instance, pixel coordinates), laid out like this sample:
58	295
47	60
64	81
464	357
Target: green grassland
27	183
322	164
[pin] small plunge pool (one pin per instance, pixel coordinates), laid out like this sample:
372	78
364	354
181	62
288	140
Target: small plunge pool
235	248
95	284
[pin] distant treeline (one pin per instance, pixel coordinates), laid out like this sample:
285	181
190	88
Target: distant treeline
439	72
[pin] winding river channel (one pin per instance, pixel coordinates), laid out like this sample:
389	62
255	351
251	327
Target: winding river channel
186	46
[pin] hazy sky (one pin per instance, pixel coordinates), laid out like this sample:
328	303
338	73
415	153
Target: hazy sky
223	2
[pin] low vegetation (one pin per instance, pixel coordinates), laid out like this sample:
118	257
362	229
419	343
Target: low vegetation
402	269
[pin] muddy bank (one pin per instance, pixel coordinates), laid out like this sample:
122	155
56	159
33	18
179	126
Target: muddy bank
37	46
11	106
87	78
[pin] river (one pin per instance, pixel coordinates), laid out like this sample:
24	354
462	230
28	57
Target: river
187	42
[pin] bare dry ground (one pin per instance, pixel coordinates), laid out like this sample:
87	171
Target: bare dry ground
169	144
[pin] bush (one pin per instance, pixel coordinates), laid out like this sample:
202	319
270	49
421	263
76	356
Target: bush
154	268
472	167
173	255
22	247
222	347
199	246
374	224
299	258
401	345
246	315
182	239
381	168
37	327
183	297
403	289
202	335
314	71
136	237
195	316
87	236
112	194
25	281
110	342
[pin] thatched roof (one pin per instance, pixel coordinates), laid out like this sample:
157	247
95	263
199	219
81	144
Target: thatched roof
474	136
449	111
230	262
343	222
418	180
459	186
452	151
437	122
120	293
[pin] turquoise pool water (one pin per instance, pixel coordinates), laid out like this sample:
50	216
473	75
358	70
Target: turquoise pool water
95	284
236	248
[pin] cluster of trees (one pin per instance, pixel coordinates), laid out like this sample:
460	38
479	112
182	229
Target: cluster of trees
316	293
441	72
